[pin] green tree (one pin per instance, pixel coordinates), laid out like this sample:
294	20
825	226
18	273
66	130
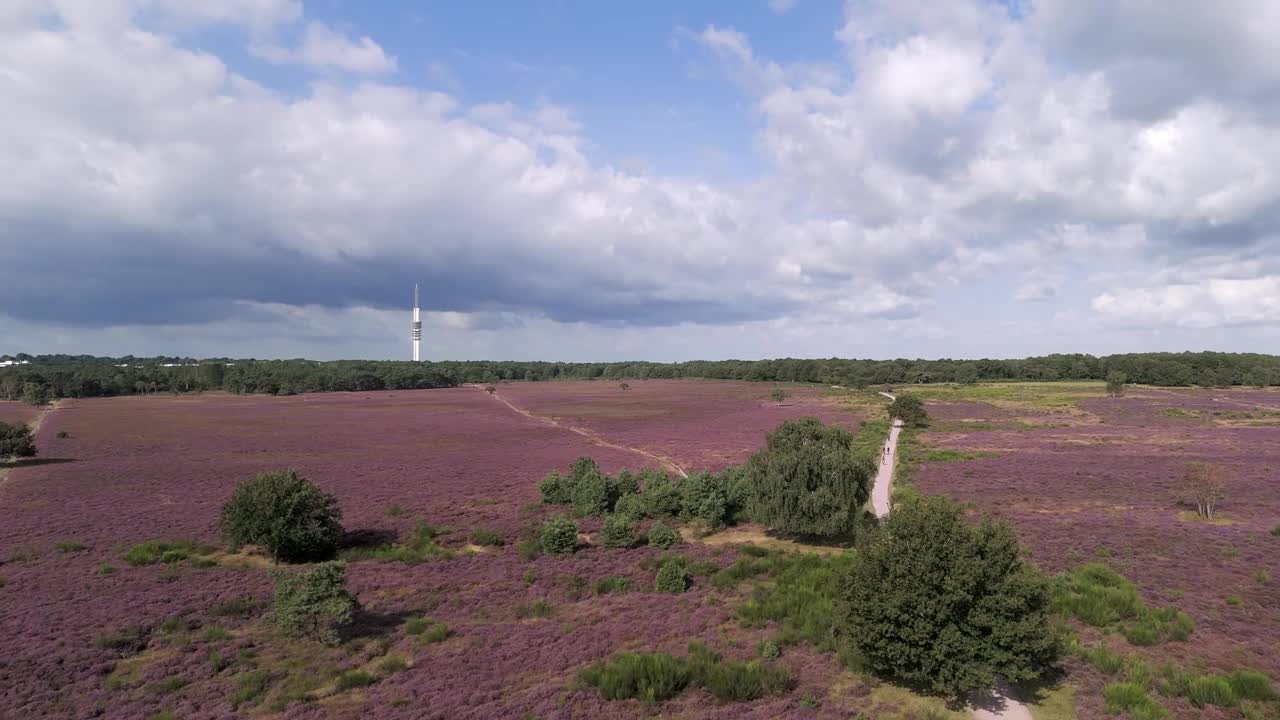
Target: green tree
555	489
285	513
937	602
808	480
35	394
910	410
778	394
313	603
1115	383
16	441
590	488
619	531
703	497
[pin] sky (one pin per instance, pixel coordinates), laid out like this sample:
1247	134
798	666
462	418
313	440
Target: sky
576	180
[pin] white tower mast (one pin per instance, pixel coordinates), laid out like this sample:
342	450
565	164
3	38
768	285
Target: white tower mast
417	326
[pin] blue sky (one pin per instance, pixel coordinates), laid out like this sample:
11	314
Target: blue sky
661	180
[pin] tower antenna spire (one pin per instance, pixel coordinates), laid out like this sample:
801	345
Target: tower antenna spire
417	326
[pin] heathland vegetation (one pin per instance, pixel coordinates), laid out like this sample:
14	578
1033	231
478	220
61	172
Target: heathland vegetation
47	377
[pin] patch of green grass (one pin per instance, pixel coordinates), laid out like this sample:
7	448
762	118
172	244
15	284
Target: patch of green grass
869	440
164	715
799	600
169	684
420	547
164	551
243	606
105	569
392	664
487	538
949	455
218	661
655	677
612	584
353	679
1262	577
1211	690
429	630
250	687
1235	600
438	632
537	609
126	641
1097	595
1252	685
216	633
395	511
1131	698
70	546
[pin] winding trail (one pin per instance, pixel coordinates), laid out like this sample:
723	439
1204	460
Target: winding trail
998	705
594	437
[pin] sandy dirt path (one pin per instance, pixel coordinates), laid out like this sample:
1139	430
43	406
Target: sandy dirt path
999	705
5	470
665	462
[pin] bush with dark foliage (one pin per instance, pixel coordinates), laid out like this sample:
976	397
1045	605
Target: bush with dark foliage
285	513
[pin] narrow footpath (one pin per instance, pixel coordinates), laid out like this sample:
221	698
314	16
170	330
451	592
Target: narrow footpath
666	462
998	705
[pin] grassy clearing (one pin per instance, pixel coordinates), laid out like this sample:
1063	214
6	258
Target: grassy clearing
1099	596
1061	394
152	552
420	547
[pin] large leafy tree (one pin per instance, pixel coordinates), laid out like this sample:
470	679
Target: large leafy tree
910	410
937	602
285	513
807	480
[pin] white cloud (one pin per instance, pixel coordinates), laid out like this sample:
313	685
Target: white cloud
1210	303
323	47
781	7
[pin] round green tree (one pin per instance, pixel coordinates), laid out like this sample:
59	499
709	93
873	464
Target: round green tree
937	602
807	480
619	531
910	410
15	441
286	514
559	536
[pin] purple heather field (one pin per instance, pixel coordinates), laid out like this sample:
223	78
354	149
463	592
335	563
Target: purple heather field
1091	481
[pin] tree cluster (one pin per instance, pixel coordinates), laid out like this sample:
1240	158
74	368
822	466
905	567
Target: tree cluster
55	376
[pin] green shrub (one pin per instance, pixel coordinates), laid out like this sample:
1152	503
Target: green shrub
624	484
799	601
106	569
1211	690
1101	658
243	606
703	497
487	538
648	678
313	603
590	489
1275	530
807	480
612	584
1096	595
910	410
735	681
416	626
1131	698
555	489
661	536
420	547
661	496
1159	625
169	684
537	609
672	577
632	506
164	715
395	511
754	551
619	531
778	394
216	633
70	546
16	441
286	514
559	536
352	679
1252	685
769	650
958	581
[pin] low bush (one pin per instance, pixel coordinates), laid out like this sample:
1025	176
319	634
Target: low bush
672	577
1275	530
769	650
395	511
590	489
619	531
1097	595
437	632
799	600
313	603
1211	690
661	496
624	484
559	536
216	633
16	441
352	679
631	505
393	664
555	489
487	538
663	537
420	547
63	435
736	681
648	678
1252	685
703	497
286	514
612	584
106	569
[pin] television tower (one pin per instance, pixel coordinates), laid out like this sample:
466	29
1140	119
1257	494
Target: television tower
417	326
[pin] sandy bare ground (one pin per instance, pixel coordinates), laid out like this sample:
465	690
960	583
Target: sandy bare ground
594	437
999	705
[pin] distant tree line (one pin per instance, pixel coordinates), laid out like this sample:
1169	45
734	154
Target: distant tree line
49	376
